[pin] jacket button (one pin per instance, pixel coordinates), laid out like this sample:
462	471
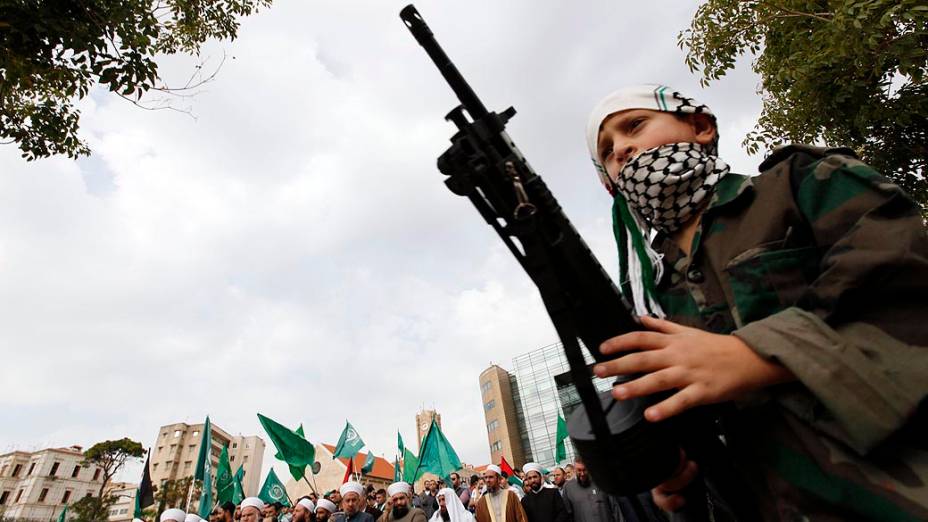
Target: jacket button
695	275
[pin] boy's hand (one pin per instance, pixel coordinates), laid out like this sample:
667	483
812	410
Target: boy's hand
706	368
669	495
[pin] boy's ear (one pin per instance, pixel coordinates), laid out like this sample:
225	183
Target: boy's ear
704	127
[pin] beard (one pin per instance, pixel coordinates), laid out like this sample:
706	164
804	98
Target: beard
322	518
444	514
399	511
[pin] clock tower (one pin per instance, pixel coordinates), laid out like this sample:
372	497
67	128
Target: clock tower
423	421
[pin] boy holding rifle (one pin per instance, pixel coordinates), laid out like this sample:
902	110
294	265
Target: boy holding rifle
800	294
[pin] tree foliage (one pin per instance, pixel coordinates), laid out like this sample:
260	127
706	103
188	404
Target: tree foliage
173	493
841	72
91	509
110	456
55	51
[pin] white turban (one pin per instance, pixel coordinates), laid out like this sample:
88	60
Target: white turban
326	504
351	487
254	502
534	466
308	504
398	487
454	506
192	517
137	520
495	469
174	514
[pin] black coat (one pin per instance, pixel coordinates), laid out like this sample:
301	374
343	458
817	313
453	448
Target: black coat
545	506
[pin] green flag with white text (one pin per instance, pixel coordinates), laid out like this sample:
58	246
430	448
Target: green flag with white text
560	446
273	490
224	486
238	492
349	443
396	470
204	471
399	443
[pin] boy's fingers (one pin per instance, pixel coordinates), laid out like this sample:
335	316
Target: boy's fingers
662	325
657	381
681	479
634	341
673	405
639	362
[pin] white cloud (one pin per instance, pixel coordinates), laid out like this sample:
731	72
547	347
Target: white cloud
292	250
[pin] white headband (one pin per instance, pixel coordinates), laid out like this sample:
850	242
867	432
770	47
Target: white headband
495	469
351	487
308	504
254	502
173	514
398	487
534	466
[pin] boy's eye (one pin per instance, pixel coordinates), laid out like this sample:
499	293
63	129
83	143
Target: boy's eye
606	152
635	123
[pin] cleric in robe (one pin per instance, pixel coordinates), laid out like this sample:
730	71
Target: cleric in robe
542	504
498	504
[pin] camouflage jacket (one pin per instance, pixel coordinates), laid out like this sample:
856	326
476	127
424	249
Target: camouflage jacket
821	264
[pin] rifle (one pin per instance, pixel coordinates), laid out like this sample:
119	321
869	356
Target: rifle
624	453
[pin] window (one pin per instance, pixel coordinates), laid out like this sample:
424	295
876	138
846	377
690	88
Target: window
196	433
114	512
187	466
484	388
31	467
234	445
3	471
492	426
16	470
247	445
19	495
89	494
173	447
54	469
77	469
66	497
43	494
160	448
3	497
96	474
154	467
496	446
177	433
490	405
245	458
123	511
232	458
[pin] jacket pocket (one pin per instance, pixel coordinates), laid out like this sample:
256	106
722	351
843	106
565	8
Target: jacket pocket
767	279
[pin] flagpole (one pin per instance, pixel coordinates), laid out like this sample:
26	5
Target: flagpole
310	485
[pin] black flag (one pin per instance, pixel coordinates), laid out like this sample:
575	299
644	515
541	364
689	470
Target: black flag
145	493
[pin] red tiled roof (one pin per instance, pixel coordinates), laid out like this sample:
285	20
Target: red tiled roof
383	468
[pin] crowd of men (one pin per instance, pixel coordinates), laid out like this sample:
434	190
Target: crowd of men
564	494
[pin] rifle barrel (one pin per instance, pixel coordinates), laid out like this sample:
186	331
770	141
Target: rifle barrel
420	30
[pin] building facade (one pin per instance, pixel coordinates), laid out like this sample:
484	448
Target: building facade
123	510
177	446
541	389
499	394
36	486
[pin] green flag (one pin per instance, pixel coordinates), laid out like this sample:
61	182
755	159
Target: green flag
204	471
437	455
561	448
399	443
273	490
349	443
368	463
64	513
238	492
137	512
292	446
410	463
396	470
224	486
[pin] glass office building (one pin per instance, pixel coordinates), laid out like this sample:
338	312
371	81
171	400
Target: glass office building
542	389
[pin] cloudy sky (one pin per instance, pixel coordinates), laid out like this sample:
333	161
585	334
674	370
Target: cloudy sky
290	249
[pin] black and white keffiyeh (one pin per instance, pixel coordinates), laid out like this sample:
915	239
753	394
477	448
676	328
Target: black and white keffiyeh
666	185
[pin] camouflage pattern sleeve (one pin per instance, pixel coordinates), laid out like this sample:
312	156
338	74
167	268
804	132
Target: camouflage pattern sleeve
858	336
